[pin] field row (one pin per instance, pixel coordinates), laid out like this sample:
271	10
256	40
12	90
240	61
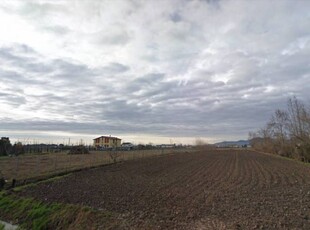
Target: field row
202	190
34	166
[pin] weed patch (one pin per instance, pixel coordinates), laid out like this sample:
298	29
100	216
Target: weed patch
33	214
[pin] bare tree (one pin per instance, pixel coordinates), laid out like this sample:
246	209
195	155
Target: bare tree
18	149
203	145
298	120
279	132
287	132
113	153
199	142
279	124
299	126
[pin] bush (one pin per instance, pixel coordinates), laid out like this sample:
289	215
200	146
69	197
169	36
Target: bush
79	150
5	146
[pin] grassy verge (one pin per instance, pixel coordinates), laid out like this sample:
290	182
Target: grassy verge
1	227
284	157
19	188
32	214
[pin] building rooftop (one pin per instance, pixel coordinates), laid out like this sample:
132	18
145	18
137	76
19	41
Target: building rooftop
107	137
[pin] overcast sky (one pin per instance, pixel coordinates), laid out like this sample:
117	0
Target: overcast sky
149	71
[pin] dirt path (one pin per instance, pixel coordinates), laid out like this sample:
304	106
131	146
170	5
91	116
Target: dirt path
206	190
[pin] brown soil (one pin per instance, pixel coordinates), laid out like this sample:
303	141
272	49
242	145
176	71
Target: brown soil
31	166
206	190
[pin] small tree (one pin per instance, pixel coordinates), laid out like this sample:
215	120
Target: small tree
114	155
201	144
18	149
5	146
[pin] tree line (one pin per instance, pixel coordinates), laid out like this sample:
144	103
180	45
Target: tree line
6	148
287	133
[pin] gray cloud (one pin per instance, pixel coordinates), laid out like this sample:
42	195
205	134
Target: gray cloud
114	68
117	37
12	99
214	69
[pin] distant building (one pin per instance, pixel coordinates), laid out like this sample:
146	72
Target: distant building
127	146
107	142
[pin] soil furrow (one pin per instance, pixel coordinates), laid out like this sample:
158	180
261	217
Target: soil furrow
225	189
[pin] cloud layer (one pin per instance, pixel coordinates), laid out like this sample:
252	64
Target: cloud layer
174	69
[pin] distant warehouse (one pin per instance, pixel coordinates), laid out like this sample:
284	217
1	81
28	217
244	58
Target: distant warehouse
107	142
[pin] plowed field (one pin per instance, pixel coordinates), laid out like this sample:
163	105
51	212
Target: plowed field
204	190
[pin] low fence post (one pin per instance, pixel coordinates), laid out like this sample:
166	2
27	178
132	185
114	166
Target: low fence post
55	163
16	167
69	162
38	165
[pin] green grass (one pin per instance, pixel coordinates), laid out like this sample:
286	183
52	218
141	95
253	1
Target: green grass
28	210
1	226
33	214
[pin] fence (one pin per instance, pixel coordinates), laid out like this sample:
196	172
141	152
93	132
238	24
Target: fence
31	166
